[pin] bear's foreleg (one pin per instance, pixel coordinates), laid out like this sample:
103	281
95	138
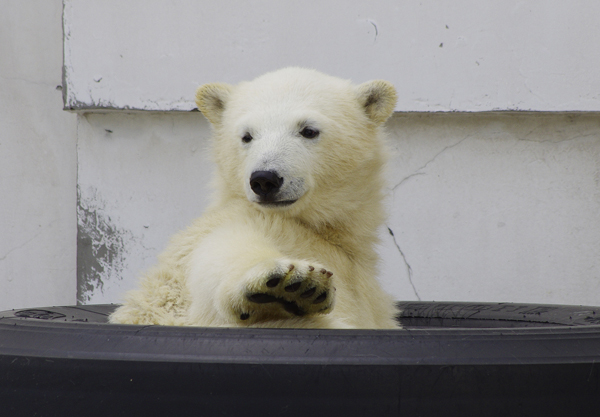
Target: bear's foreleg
239	278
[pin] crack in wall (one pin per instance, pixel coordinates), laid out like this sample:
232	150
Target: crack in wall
2	258
437	155
582	136
31	239
408	267
32	82
402	181
376	29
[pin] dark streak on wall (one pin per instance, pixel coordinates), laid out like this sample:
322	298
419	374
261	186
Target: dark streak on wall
100	248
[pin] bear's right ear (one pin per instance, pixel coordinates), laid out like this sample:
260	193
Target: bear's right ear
211	100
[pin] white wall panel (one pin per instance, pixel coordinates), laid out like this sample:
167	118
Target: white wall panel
463	55
497	207
141	178
482	207
38	161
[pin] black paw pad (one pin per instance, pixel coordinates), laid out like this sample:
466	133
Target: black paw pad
261	298
273	281
293	287
320	298
244	316
293	308
308	293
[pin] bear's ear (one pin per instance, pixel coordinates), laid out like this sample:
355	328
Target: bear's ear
211	100
378	98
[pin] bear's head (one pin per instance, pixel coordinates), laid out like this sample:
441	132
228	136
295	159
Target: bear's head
299	142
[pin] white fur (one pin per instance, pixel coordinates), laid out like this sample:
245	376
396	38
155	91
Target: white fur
215	272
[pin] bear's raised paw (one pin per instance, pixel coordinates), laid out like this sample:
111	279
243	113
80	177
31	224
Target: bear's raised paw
292	289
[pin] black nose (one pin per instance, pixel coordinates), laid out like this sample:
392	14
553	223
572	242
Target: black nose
265	183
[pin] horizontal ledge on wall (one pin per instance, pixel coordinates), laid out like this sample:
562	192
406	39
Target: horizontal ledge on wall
126	109
110	109
460	56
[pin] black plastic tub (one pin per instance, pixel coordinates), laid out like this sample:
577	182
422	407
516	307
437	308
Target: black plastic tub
451	359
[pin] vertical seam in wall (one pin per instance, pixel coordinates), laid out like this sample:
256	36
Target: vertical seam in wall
64	70
77	260
77	134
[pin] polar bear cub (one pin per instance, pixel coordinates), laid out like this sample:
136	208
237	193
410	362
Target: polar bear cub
289	240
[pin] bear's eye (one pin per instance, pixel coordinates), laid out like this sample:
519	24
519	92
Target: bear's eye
247	138
309	132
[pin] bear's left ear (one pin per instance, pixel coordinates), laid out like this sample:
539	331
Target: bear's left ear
211	100
378	98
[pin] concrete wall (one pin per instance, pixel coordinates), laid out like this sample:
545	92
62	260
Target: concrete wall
496	207
460	55
142	177
486	206
38	171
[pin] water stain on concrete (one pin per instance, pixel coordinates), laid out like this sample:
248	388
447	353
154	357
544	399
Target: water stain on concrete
101	253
